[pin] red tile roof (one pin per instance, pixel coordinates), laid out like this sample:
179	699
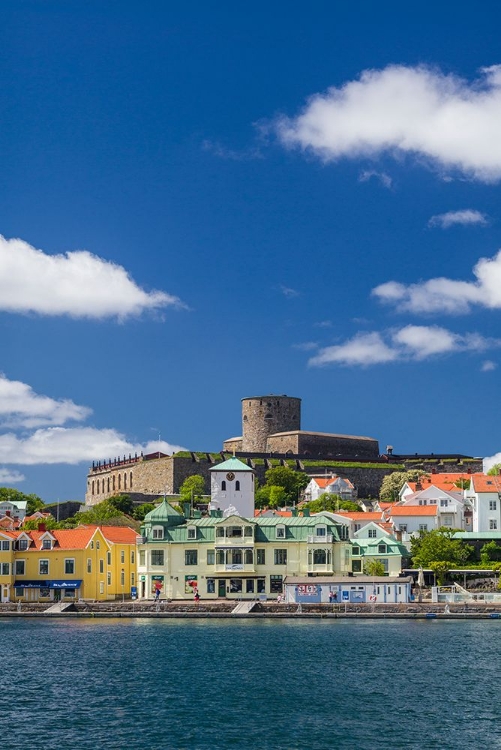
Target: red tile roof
486	483
413	510
442	481
360	516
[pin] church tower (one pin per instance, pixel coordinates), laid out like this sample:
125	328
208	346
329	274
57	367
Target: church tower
232	488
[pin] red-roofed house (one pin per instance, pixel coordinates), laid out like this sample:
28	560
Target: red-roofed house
484	494
334	485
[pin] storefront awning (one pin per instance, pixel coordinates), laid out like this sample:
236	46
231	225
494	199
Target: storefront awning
47	584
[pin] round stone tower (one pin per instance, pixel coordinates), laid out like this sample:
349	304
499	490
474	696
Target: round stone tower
264	415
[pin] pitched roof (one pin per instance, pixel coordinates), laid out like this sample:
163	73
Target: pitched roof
163	512
119	534
442	481
232	464
414	510
375	515
486	483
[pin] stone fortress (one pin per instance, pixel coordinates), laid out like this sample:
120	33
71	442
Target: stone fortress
271	436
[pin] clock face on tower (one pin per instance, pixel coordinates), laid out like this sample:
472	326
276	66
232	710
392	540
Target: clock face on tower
230	476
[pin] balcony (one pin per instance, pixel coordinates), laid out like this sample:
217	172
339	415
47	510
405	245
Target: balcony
326	569
322	539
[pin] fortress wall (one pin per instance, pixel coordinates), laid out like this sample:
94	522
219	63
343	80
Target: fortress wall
325	446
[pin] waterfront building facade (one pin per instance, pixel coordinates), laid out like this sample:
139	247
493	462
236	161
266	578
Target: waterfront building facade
234	556
338	590
89	562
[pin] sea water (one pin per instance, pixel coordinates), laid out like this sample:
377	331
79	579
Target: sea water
281	684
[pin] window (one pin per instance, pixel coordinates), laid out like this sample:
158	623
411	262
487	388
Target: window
235	585
47	544
381	549
122	579
356	566
211	585
157	557
132	557
372	533
233	531
157	532
23	544
223	486
101	587
319	557
4	569
98	545
122	557
19	592
493	524
101	565
355	550
210	557
280	532
280	557
142	558
5	546
444	502
276	586
19	567
423	527
493	505
358	526
220	531
108	558
190	557
89	565
249	586
69	566
43	567
261	556
108	578
321	531
92	545
248	557
192	532
403	527
261	585
248	531
114	484
220	557
237	486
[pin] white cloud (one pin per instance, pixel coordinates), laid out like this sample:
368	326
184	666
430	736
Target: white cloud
491	460
77	284
448	295
465	217
61	445
21	406
411	343
408	110
288	292
306	346
8	476
488	366
383	178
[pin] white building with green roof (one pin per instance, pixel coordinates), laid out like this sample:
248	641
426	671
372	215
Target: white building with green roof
232	488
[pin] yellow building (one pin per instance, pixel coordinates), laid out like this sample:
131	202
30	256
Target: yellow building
89	562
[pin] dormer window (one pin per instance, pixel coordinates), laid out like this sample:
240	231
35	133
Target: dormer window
280	532
355	550
157	532
381	549
321	531
192	532
47	544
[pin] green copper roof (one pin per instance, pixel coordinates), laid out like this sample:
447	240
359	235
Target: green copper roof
163	512
232	464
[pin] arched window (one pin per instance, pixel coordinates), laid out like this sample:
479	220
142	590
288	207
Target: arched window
125	481
130	480
108	484
92	487
102	486
223	486
113	482
237	486
119	481
319	557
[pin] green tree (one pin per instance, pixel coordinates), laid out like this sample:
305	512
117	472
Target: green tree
439	551
490	552
278	496
494	470
262	497
192	488
140	511
393	483
292	481
122	503
33	502
374	568
333	503
32	524
104	513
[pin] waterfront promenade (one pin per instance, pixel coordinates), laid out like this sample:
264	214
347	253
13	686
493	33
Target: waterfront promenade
225	609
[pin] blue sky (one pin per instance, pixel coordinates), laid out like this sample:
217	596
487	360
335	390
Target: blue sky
204	203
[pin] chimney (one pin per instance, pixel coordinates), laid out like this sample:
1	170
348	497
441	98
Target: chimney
419	486
7	513
42	527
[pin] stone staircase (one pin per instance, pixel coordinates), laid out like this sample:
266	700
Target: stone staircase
243	608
